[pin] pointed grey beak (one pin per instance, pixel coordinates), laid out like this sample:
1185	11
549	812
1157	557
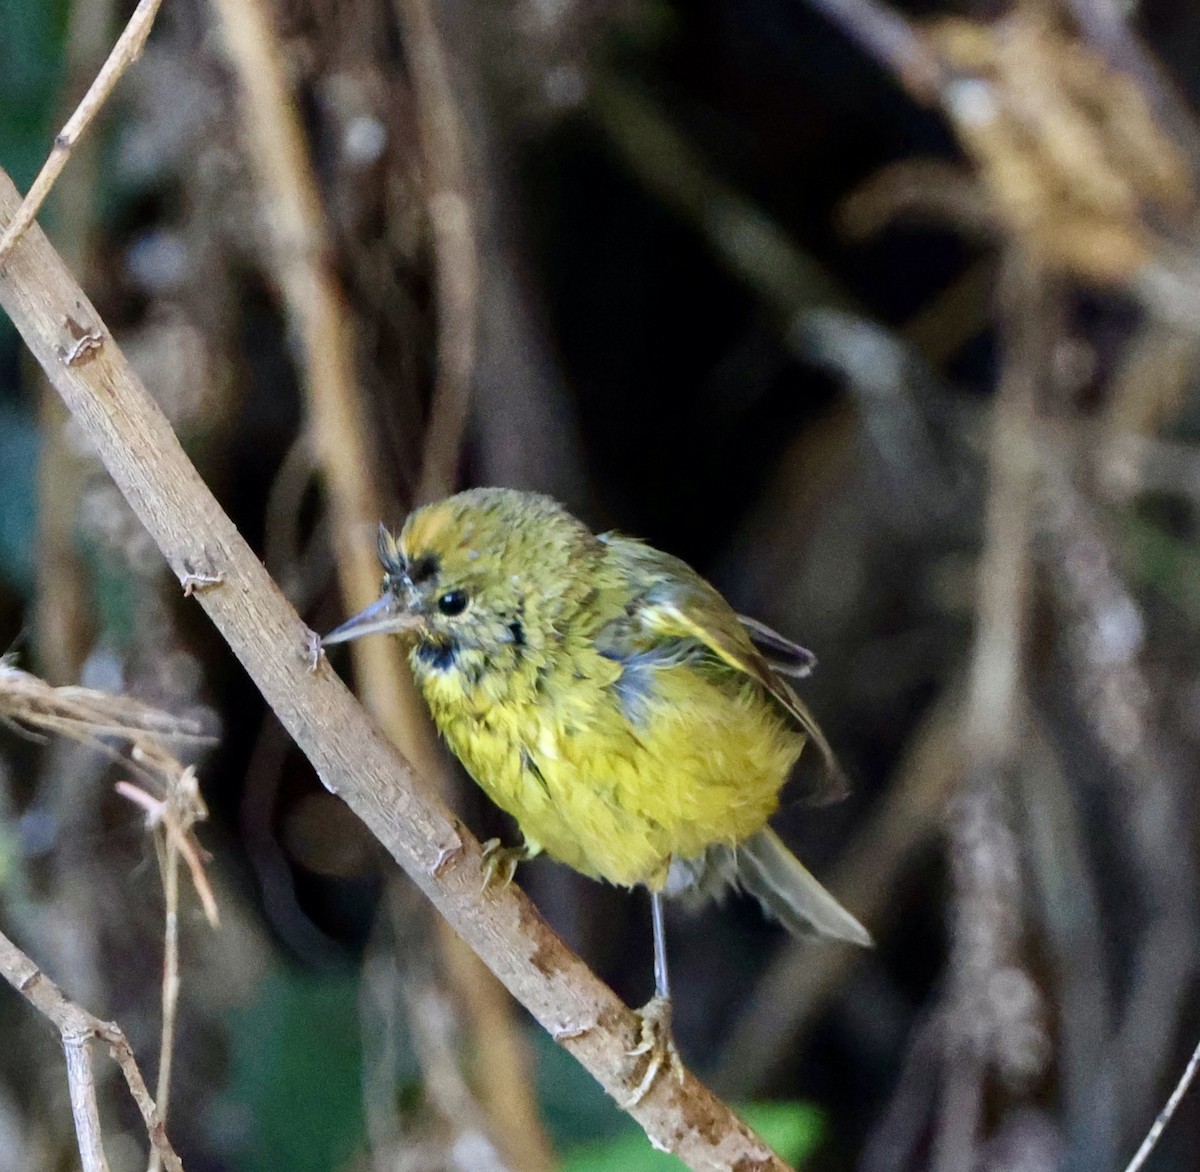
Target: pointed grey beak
388	616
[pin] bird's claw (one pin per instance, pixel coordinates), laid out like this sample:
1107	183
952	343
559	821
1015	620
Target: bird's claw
655	1040
500	864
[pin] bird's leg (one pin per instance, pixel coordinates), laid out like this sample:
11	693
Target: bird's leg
655	1038
500	862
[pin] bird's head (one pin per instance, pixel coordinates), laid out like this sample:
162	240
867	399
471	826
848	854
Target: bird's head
484	570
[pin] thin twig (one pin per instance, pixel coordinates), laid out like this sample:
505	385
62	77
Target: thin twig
89	716
125	52
81	1084
456	257
1164	1116
135	442
77	1028
169	863
93	718
176	816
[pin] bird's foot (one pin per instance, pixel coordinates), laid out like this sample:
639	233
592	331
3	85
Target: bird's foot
656	1041
500	863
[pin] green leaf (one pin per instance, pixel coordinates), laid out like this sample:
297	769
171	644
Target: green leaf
31	53
18	500
794	1130
574	1105
296	1074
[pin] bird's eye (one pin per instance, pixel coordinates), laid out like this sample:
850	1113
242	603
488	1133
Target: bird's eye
453	602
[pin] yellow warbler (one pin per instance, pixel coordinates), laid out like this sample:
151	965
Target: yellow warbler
611	701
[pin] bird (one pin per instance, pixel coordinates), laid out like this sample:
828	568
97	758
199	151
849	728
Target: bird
612	701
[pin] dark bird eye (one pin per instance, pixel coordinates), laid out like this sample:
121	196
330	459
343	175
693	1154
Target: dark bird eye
453	602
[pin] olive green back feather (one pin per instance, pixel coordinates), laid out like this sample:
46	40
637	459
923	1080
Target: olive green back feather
676	605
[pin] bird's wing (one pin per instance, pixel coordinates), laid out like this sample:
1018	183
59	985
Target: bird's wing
671	602
786	657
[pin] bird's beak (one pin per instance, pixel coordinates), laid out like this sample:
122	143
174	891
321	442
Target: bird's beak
388	616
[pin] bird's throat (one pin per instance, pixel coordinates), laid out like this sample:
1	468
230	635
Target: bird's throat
439	656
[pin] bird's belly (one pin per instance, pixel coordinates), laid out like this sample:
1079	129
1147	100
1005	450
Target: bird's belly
619	802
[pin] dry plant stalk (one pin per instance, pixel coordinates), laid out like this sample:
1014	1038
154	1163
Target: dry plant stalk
451	215
300	255
125	52
95	718
172	819
1164	1116
1068	160
504	1066
136	444
1065	147
300	260
62	606
994	1013
79	1029
89	716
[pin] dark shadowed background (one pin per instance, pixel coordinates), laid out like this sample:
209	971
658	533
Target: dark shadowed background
908	370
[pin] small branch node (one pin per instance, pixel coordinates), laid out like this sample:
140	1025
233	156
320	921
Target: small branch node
193	582
85	342
447	857
314	652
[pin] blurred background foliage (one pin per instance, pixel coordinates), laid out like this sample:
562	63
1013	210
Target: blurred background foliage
907	366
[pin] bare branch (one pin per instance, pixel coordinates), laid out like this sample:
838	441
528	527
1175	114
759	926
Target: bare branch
1164	1116
994	1013
78	1028
352	757
300	259
81	1082
169	863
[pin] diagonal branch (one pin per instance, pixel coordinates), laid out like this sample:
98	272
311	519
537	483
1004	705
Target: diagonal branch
1164	1116
134	440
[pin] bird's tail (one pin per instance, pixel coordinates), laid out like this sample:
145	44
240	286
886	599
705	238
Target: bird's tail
764	868
788	891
